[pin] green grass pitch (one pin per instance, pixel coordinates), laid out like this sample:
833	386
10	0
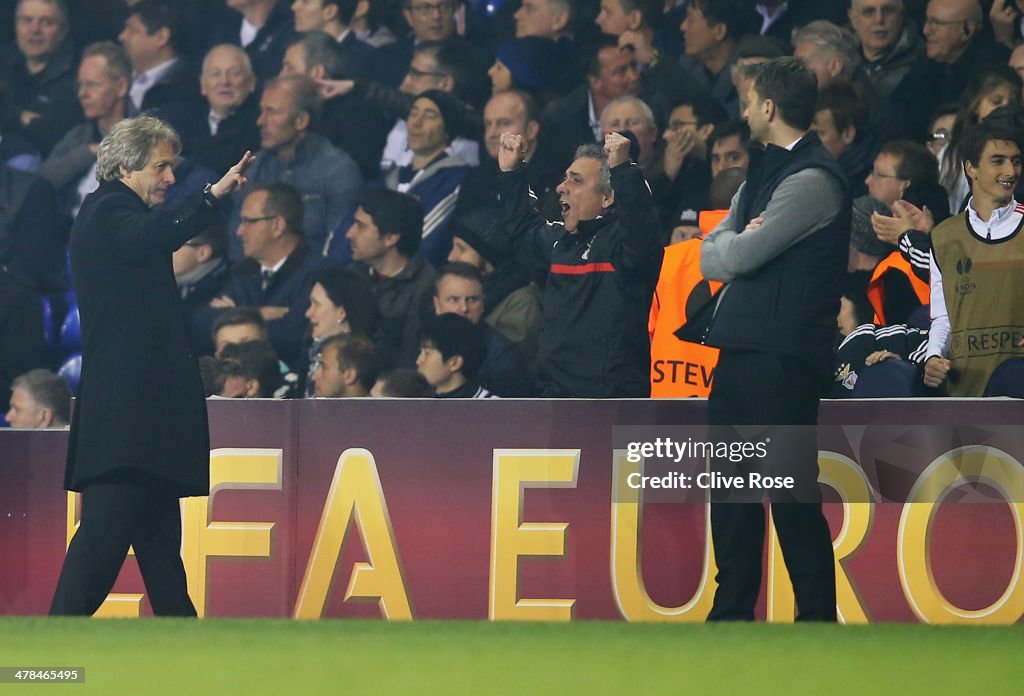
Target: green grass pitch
227	656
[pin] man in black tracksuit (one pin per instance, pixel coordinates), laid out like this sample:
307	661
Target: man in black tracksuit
602	265
782	250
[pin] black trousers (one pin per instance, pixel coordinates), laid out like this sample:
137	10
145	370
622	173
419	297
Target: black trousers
119	512
756	388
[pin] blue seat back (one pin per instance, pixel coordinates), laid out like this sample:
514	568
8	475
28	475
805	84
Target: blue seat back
48	333
889	378
71	331
71	371
1007	379
920	317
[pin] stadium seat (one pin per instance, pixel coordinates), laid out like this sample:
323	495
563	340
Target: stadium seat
889	378
71	332
47	308
1007	379
919	317
71	371
67	266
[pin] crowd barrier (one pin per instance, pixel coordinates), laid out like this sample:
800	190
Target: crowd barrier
504	510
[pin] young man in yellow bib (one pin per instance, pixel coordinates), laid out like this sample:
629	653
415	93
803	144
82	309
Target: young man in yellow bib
977	295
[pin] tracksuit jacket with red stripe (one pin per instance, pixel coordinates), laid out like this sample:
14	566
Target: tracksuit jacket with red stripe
594	341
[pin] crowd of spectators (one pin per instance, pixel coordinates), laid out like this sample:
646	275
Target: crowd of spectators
384	230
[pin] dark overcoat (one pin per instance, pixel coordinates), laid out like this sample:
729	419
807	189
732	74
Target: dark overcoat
140	403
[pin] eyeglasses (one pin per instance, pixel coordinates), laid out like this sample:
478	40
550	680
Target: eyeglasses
417	74
875	174
249	221
886	11
679	125
932	21
426	8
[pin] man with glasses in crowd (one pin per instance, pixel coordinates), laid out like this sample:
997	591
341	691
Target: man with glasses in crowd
956	47
430	20
276	274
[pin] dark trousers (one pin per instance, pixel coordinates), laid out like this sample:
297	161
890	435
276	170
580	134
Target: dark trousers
756	388
118	513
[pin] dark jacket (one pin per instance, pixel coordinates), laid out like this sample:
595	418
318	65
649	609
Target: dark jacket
504	372
688	191
21	330
235	134
857	161
289	287
480	186
564	126
31	236
391	62
140	403
195	299
469	390
565	122
668	83
266	52
888	71
358	128
788	305
176	99
717	86
928	83
907	342
598	294
403	302
52	94
357	56
18	153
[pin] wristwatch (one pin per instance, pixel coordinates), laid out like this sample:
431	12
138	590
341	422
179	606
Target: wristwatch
208	197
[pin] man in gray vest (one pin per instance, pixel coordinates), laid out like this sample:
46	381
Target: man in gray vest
782	250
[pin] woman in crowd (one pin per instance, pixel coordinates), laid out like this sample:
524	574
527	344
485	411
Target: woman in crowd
995	86
340	302
533	65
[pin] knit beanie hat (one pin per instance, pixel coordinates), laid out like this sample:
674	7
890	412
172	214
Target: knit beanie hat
451	111
480	228
862	235
533	61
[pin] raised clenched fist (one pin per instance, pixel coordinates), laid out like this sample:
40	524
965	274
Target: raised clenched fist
510	152
616	146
